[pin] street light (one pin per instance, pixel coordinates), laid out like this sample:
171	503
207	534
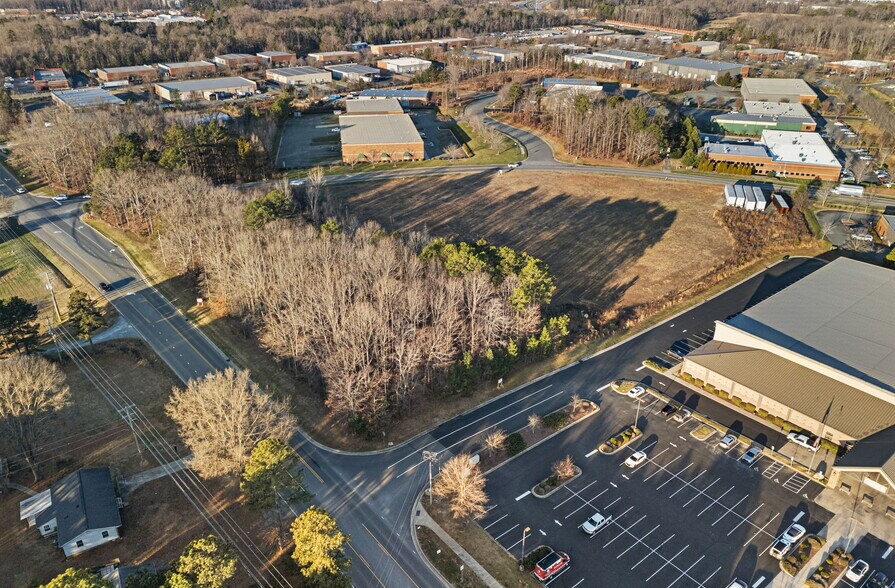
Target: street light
431	457
525	532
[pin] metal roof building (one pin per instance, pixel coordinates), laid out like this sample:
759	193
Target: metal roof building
82	98
695	68
382	106
405	97
197	89
379	137
304	74
778	90
353	72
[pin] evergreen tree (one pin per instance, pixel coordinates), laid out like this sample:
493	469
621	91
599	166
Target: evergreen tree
83	313
269	474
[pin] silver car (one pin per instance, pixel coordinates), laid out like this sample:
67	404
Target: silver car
596	522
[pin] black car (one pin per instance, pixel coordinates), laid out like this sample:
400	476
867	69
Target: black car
105	287
878	580
669	410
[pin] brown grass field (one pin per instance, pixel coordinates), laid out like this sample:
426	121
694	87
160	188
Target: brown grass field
611	241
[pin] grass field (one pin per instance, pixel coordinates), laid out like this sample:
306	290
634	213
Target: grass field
446	561
610	241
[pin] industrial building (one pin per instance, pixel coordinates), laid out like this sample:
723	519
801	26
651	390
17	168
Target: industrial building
591	60
375	138
778	90
787	154
328	57
237	60
860	66
633	58
573	85
207	89
407	98
300	75
762	54
499	55
699	47
383	106
693	68
760	116
84	98
400	48
819	355
353	72
404	65
275	58
142	73
187	69
50	79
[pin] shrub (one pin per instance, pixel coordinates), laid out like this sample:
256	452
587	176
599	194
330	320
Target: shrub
749	406
534	557
724	395
699	383
762	413
555	420
709	388
515	444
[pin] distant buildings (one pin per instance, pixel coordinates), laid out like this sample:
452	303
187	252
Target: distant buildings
404	65
407	98
699	47
383	106
571	85
207	89
84	98
418	46
139	73
862	66
237	60
329	57
497	54
187	69
595	61
300	75
778	90
629	58
762	54
693	68
759	116
275	58
785	153
50	79
353	72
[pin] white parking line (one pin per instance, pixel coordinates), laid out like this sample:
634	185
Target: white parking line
712	575
495	522
745	519
702	492
798	517
640	368
888	552
611	541
668	561
652	551
611	503
592	452
521	496
505	532
729	511
600	389
573	496
583	505
714	501
688	466
759	582
752	538
648	460
690	482
642	537
701	557
661	468
578	583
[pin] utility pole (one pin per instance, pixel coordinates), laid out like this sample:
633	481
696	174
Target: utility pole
53	296
128	413
432	458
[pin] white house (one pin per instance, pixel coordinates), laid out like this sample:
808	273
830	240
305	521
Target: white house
81	509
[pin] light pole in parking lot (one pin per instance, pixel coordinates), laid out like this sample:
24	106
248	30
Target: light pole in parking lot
525	532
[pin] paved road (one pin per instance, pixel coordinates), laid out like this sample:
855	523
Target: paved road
371	495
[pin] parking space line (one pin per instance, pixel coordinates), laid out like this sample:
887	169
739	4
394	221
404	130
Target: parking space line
611	541
701	557
642	537
688	483
497	521
714	501
745	519
759	582
578	583
573	496
668	561
888	552
521	496
752	538
677	475
772	470
648	459
661	468
601	388
585	504
712	575
796	483
611	503
507	531
643	367
730	510
652	551
700	492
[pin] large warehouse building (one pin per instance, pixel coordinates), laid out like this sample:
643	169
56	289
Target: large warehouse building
693	68
84	98
299	75
375	138
760	116
778	90
787	154
187	69
139	73
208	89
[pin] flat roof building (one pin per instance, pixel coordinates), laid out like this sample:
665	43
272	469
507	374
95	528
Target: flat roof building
300	75
762	54
274	58
759	116
574	85
374	138
83	98
788	154
699	47
49	79
328	57
142	73
591	60
778	90
383	106
353	72
207	89
405	97
693	68
417	46
187	69
500	55
635	58
404	65
861	66
236	60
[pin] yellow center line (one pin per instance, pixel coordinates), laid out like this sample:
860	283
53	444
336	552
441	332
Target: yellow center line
384	550
366	563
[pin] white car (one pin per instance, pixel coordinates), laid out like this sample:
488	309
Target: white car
296	182
636	392
805	440
780	548
727	441
595	523
681	415
85	197
20	190
793	533
60	197
637	458
335	130
857	570
513	165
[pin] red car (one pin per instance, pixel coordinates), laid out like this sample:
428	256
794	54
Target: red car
551	564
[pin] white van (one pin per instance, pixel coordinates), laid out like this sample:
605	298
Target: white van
849	190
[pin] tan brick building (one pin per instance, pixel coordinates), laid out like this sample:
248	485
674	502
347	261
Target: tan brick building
187	69
134	73
375	138
788	154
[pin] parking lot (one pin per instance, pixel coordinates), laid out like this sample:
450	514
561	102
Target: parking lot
876	552
437	137
690	515
308	141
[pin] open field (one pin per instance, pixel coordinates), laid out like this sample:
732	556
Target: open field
610	241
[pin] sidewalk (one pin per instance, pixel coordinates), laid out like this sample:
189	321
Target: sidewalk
131	483
122	329
423	519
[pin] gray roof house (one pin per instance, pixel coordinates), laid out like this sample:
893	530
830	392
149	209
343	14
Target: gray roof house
81	509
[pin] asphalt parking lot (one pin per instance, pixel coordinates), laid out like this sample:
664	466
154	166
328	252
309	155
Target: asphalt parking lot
437	137
691	515
879	554
308	141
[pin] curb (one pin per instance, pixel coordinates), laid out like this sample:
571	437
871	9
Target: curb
576	476
416	542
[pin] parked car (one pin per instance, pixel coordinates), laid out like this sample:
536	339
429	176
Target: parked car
794	533
335	130
513	165
857	570
681	415
551	564
751	455
839	123
105	287
636	458
60	197
636	392
801	439
596	522
878	580
727	441
668	410
780	548
20	190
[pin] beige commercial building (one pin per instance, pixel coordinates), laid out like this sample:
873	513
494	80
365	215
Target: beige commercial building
187	69
381	106
328	57
236	60
301	75
376	138
275	58
141	73
404	65
778	90
207	89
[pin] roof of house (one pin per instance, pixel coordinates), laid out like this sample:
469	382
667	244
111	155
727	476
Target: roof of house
87	98
300	70
384	105
840	315
49	75
84	500
129	69
376	129
876	451
355	68
704	64
208	84
843	408
799	147
34	505
399	94
793	86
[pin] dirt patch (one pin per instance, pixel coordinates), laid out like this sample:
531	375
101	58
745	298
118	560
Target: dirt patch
610	241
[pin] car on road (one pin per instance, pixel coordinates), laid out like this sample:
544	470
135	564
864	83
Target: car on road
737	584
105	287
551	564
60	197
877	580
296	182
839	123
596	522
513	165
85	197
681	415
668	410
751	455
20	190
744	141
727	441
636	392
793	533
857	570
335	130
865	158
636	458
780	548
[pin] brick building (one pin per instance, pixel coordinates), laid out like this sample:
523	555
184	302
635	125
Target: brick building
187	69
374	138
133	73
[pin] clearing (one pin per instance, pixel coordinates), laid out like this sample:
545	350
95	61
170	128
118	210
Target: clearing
611	242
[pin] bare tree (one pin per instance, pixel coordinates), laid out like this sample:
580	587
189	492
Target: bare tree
316	178
463	485
495	441
454	151
222	416
31	389
826	226
575	401
564	468
534	422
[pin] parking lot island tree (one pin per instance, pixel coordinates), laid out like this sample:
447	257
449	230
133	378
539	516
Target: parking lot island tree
618	442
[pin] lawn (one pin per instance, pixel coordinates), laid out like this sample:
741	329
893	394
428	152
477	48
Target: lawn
446	561
610	241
